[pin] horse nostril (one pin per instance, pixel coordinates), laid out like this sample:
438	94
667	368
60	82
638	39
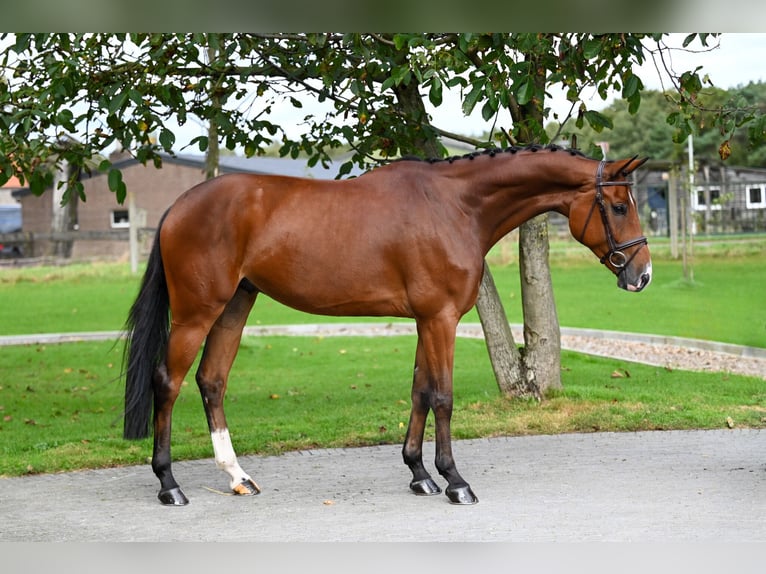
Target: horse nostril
646	278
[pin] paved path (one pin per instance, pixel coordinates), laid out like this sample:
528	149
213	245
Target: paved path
653	486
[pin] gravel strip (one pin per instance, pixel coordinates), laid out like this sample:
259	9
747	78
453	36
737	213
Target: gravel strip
668	356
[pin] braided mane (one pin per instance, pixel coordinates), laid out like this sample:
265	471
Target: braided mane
492	152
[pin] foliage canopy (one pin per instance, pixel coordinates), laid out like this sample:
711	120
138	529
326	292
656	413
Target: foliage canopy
71	97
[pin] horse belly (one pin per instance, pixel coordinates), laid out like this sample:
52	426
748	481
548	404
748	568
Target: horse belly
338	285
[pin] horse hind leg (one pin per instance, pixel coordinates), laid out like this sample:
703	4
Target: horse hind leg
191	324
220	351
183	344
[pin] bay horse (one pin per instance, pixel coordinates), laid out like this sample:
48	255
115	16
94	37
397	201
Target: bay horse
407	239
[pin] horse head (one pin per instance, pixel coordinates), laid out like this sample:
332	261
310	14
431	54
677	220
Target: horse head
604	217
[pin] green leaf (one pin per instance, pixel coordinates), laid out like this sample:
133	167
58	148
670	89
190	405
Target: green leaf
435	93
673	118
591	49
597	120
487	111
118	102
201	141
64	119
22	43
122	192
690	81
167	139
400	41
525	92
37	184
250	149
401	75
345	168
80	189
117	185
631	87
469	103
136	97
457	81
387	83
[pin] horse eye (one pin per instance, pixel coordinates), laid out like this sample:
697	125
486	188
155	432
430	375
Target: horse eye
620	209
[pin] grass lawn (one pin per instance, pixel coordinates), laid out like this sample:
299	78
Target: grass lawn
60	405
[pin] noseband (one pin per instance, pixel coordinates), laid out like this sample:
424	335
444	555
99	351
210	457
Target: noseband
615	255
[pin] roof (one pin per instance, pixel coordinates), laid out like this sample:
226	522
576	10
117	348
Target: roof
13	183
281	166
261	165
228	164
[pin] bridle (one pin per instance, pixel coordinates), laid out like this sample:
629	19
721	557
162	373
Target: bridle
615	255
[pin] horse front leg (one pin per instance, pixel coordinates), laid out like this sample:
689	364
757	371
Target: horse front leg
212	375
412	452
438	341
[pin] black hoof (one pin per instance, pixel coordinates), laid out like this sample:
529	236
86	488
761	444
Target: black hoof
173	497
461	495
425	487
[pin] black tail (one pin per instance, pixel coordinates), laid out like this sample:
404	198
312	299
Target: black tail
147	340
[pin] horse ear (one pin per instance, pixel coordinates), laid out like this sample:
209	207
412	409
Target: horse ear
631	165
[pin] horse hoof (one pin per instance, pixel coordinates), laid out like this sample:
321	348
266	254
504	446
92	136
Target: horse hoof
173	497
247	487
425	487
461	495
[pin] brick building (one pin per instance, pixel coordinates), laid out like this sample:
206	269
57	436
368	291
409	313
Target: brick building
153	191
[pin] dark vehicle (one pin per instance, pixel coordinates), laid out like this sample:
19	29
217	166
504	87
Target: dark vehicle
10	251
10	222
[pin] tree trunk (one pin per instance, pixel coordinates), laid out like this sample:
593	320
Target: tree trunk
212	157
64	215
542	335
541	365
411	103
505	357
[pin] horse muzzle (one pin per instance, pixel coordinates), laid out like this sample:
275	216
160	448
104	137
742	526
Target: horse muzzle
635	281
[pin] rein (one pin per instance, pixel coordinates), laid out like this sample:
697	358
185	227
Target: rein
615	255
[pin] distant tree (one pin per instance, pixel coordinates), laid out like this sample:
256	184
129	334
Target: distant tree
647	132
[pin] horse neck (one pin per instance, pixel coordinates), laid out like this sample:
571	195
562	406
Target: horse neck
508	189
